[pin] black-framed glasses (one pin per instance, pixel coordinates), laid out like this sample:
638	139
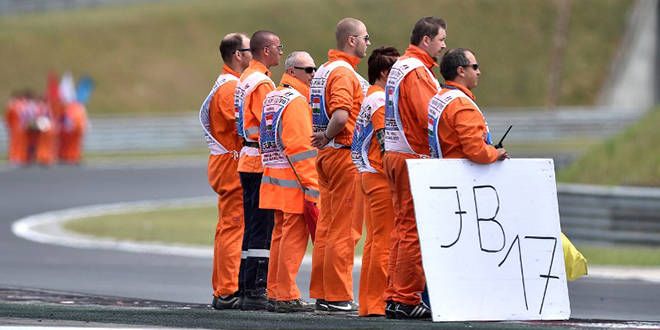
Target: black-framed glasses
474	66
365	37
307	69
243	50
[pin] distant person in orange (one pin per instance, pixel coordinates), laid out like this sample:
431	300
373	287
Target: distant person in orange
46	134
457	127
337	91
251	90
410	86
289	182
219	123
73	125
16	126
367	149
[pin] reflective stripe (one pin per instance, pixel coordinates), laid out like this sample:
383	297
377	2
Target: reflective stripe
303	155
280	182
312	193
252	130
258	253
244	254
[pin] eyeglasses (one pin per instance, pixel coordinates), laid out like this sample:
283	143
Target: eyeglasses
365	37
308	69
242	50
474	66
279	47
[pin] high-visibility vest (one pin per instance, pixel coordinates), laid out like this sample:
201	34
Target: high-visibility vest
279	176
320	118
437	105
395	137
215	147
364	130
270	130
243	90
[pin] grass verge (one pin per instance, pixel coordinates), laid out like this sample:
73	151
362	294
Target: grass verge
629	158
196	225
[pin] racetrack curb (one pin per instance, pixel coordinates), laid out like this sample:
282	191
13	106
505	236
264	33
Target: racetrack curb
47	228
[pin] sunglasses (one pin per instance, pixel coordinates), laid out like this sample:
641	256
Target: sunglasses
365	37
243	50
474	66
307	69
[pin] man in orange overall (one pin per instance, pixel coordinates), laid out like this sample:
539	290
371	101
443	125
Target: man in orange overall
367	150
251	91
217	118
410	86
337	92
457	127
72	130
16	125
290	182
46	133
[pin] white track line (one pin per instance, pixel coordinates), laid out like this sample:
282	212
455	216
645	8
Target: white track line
47	228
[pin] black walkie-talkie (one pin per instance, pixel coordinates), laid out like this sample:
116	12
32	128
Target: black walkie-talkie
499	144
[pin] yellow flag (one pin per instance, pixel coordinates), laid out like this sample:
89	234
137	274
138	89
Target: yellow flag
576	263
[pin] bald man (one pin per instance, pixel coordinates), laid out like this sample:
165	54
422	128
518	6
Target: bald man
337	91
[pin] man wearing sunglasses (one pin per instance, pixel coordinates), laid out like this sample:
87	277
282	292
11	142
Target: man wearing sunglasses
410	86
290	183
337	91
251	91
457	128
218	122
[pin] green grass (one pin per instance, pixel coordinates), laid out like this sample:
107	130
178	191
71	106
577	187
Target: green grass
196	226
162	56
630	158
621	255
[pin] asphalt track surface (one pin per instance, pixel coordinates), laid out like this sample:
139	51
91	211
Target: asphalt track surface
174	291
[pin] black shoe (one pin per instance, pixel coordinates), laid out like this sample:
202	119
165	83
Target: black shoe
252	303
271	305
404	311
390	309
341	307
227	302
293	306
321	306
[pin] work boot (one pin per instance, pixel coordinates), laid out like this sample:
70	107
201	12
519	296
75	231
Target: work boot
270	305
293	306
405	311
390	309
232	301
342	307
254	303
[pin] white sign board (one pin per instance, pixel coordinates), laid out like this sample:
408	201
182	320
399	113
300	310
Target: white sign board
490	239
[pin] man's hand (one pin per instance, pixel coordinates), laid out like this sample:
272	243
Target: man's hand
502	154
319	140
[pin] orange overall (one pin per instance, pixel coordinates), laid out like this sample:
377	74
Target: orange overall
72	130
46	140
17	132
462	130
280	189
334	248
223	178
379	219
407	280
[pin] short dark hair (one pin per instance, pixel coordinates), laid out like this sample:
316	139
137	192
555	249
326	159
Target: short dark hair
260	40
451	61
381	59
427	26
229	45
